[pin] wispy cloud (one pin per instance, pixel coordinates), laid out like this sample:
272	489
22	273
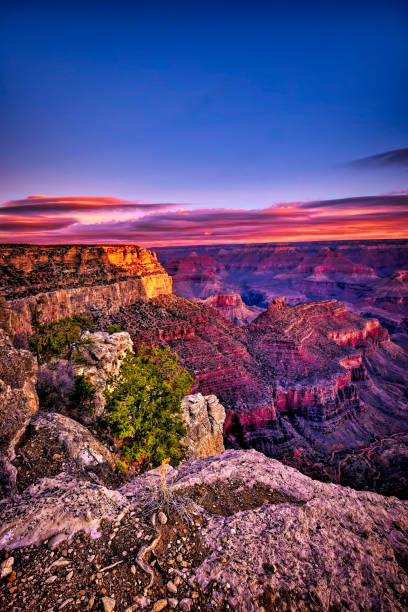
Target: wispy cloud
369	203
41	204
390	159
363	217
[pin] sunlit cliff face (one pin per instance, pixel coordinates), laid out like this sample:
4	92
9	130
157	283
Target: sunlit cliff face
51	219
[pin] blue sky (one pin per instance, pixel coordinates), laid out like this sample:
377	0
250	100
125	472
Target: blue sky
217	104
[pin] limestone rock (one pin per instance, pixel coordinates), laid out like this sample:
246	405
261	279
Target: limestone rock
327	546
340	547
78	452
204	417
18	396
103	353
56	506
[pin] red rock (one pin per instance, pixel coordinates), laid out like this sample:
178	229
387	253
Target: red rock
74	279
231	306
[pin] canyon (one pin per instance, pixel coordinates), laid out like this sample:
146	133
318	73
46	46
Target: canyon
369	276
317	384
304	395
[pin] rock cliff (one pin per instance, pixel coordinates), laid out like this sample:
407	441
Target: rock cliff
74	279
204	418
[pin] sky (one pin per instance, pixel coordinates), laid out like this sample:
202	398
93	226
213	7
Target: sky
203	122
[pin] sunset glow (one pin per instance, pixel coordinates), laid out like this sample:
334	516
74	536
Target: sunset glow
43	219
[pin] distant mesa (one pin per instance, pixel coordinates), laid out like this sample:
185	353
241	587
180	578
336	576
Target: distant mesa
231	306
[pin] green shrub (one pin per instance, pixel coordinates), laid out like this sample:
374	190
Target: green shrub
143	403
56	339
81	359
114	328
83	395
121	466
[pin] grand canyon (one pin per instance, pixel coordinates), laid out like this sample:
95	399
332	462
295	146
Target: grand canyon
320	385
204	307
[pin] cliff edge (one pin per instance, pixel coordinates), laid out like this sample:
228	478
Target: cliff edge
74	279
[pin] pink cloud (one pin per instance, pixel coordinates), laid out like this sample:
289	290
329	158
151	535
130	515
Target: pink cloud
362	217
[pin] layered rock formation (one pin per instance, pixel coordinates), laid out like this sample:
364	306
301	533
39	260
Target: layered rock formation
388	300
298	383
349	271
309	384
76	279
300	544
231	306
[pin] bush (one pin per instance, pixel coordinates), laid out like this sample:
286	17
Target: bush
83	394
81	359
55	386
121	466
114	328
56	339
143	403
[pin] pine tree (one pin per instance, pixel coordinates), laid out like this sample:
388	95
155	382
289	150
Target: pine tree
143	403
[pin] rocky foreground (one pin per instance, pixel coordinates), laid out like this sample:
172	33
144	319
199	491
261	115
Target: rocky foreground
236	531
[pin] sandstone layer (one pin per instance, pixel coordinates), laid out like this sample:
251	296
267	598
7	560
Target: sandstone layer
76	279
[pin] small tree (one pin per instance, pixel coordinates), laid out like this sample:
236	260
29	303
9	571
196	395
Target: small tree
114	328
83	394
57	338
143	403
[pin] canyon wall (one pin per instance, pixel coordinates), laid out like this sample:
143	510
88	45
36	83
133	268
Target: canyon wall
74	279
